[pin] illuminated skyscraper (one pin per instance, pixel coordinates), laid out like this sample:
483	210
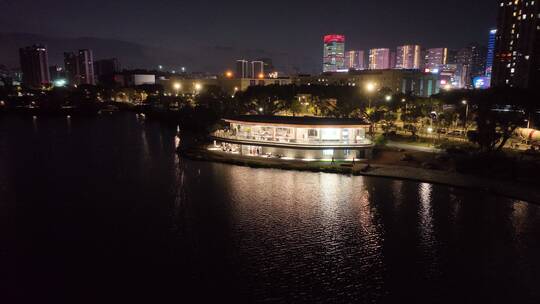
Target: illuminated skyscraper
491	52
379	59
473	59
86	67
517	45
436	58
80	67
334	53
355	60
35	66
409	57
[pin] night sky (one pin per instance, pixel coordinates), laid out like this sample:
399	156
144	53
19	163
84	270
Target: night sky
294	27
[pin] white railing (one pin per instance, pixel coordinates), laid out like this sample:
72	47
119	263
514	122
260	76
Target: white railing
289	141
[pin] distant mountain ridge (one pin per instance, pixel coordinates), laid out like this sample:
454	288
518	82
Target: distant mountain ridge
133	55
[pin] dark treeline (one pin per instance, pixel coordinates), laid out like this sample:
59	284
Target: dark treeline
493	114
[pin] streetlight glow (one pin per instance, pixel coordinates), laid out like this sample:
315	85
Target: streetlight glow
370	87
229	74
177	86
388	97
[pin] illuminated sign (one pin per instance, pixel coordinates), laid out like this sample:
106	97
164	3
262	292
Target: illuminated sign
334	38
60	83
482	82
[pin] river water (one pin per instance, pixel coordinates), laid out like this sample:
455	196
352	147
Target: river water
101	209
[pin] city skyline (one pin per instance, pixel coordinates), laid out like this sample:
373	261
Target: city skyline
296	37
286	152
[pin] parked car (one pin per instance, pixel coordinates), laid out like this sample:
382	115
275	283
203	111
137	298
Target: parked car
455	133
441	131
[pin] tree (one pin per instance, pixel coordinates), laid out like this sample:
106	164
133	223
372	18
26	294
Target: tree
498	112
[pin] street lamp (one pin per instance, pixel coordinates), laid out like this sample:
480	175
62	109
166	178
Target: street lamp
177	86
388	98
198	87
466	103
370	88
229	74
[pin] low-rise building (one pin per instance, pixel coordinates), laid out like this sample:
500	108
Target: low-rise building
294	137
399	81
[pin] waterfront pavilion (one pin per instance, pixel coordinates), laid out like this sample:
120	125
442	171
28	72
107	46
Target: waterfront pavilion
291	137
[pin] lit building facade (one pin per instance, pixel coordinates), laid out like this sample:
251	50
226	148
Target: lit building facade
235	85
491	52
379	59
298	138
86	67
187	85
409	57
356	60
334	53
473	60
435	58
415	82
453	76
517	45
257	69
80	67
35	66
242	68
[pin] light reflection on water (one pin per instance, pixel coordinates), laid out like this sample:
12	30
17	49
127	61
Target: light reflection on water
112	192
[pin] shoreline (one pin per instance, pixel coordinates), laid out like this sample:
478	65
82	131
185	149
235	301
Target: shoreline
506	189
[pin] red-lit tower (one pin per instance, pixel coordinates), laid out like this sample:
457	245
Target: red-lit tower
334	53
